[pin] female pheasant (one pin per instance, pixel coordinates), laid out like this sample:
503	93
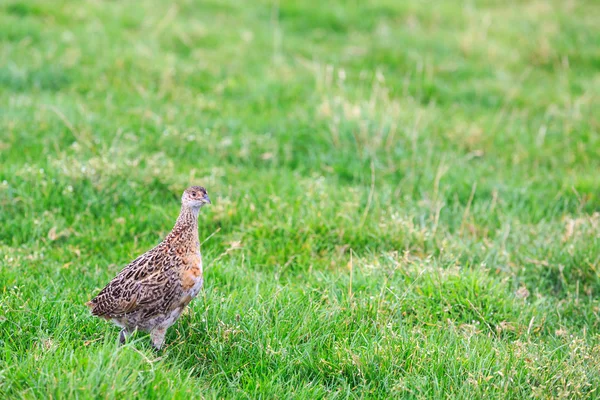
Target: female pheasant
150	293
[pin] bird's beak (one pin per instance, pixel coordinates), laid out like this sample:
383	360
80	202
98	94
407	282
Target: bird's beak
206	199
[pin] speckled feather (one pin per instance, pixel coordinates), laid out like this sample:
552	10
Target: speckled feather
150	293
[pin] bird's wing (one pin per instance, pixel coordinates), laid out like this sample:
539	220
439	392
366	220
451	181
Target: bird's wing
145	280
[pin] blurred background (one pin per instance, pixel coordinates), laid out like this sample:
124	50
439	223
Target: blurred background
405	194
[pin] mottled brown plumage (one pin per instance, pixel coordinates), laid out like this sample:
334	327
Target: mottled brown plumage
150	293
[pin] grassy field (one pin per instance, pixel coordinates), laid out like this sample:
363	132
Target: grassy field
406	196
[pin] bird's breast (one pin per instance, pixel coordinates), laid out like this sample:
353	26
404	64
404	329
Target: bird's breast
191	278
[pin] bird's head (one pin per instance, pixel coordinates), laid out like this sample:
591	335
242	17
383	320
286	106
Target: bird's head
195	197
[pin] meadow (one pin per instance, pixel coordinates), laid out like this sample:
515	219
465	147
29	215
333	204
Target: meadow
406	196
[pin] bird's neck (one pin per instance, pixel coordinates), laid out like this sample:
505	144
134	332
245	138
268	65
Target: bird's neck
185	230
188	216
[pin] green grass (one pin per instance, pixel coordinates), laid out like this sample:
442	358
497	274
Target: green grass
406	195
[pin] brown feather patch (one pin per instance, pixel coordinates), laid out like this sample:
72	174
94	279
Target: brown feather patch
189	278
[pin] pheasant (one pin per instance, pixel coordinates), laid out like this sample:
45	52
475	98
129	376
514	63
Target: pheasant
150	293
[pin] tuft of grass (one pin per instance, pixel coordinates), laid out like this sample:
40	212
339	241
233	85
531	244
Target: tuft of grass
405	197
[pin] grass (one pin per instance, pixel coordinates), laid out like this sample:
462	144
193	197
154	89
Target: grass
406	199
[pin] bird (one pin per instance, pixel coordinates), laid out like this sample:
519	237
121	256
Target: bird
151	292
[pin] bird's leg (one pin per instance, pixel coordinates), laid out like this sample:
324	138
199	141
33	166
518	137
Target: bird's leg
123	335
158	337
